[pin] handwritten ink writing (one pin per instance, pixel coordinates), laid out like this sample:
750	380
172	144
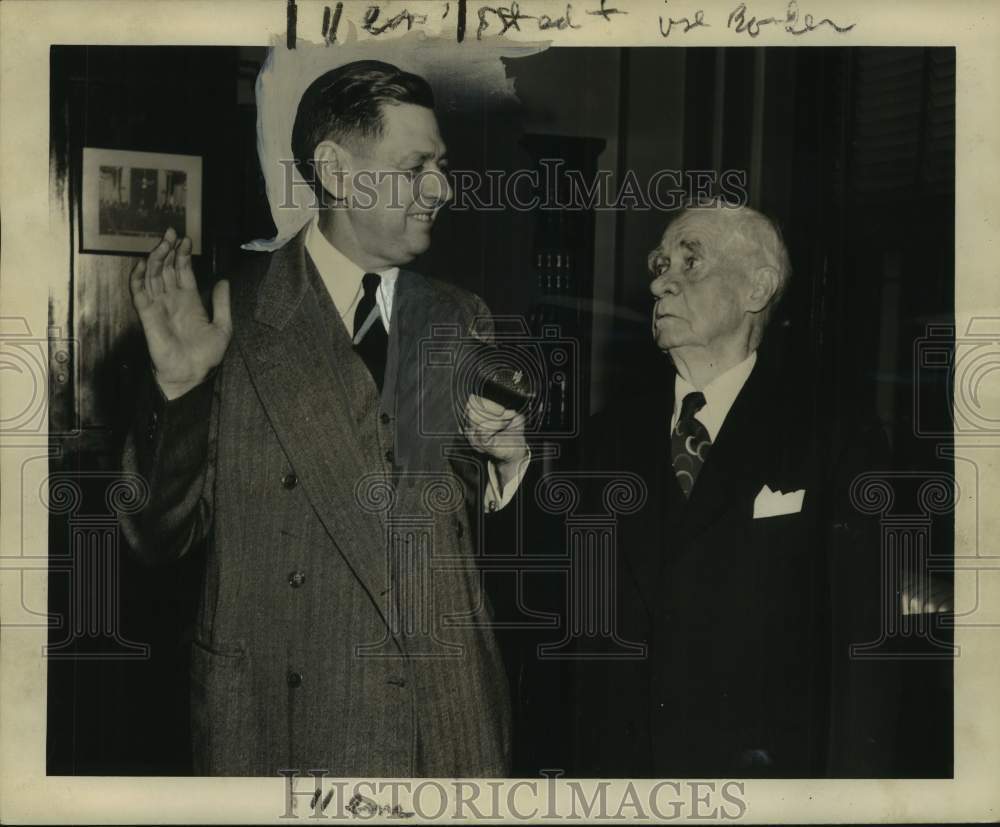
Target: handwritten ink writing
751	26
560	23
499	20
405	16
361	806
291	19
741	22
326	798
792	15
330	27
699	20
336	22
510	17
606	12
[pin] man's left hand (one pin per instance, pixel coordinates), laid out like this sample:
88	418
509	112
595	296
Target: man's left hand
498	433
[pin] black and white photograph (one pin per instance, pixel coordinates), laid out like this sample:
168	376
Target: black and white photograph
744	551
441	409
132	198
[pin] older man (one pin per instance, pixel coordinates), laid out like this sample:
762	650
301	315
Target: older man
746	574
286	432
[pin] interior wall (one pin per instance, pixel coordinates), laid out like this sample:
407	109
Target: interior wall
491	252
543	84
652	128
104	710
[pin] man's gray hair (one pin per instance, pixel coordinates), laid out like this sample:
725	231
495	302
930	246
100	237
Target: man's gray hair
762	238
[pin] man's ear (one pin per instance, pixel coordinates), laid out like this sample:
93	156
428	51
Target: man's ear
763	286
330	165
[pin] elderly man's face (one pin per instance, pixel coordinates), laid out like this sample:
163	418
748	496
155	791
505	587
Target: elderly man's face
699	282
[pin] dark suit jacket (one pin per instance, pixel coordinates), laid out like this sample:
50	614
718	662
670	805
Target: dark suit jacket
747	621
315	647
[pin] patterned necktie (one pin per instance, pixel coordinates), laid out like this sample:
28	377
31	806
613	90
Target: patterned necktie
374	345
689	443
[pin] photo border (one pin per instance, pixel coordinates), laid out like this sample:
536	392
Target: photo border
30	260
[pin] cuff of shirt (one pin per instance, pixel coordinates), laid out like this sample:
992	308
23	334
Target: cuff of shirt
494	499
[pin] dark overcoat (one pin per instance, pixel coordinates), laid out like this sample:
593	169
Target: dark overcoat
747	623
341	624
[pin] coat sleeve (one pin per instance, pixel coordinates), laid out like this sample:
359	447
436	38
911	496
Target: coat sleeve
172	445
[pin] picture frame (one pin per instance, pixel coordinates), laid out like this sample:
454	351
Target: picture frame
129	199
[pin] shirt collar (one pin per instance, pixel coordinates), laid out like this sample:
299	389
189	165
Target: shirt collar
342	277
720	394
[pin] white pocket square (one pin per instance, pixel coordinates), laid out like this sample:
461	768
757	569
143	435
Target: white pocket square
770	503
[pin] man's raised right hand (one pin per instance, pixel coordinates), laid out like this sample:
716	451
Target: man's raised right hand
184	344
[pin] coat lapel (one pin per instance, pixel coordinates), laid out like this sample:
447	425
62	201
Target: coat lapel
412	306
421	398
740	460
316	392
757	437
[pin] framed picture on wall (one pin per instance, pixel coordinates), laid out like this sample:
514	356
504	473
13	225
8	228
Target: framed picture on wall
129	199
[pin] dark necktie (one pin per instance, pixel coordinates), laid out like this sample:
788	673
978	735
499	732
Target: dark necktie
374	345
689	443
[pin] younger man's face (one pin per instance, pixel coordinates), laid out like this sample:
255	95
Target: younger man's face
395	187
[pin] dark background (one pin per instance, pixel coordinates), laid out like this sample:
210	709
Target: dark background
850	150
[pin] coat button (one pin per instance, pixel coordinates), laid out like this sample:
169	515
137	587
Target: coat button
294	679
154	421
289	481
296	579
384	418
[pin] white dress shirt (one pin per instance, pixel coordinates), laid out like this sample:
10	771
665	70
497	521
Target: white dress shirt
720	394
342	279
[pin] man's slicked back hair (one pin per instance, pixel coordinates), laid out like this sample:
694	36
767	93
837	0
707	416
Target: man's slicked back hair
345	105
